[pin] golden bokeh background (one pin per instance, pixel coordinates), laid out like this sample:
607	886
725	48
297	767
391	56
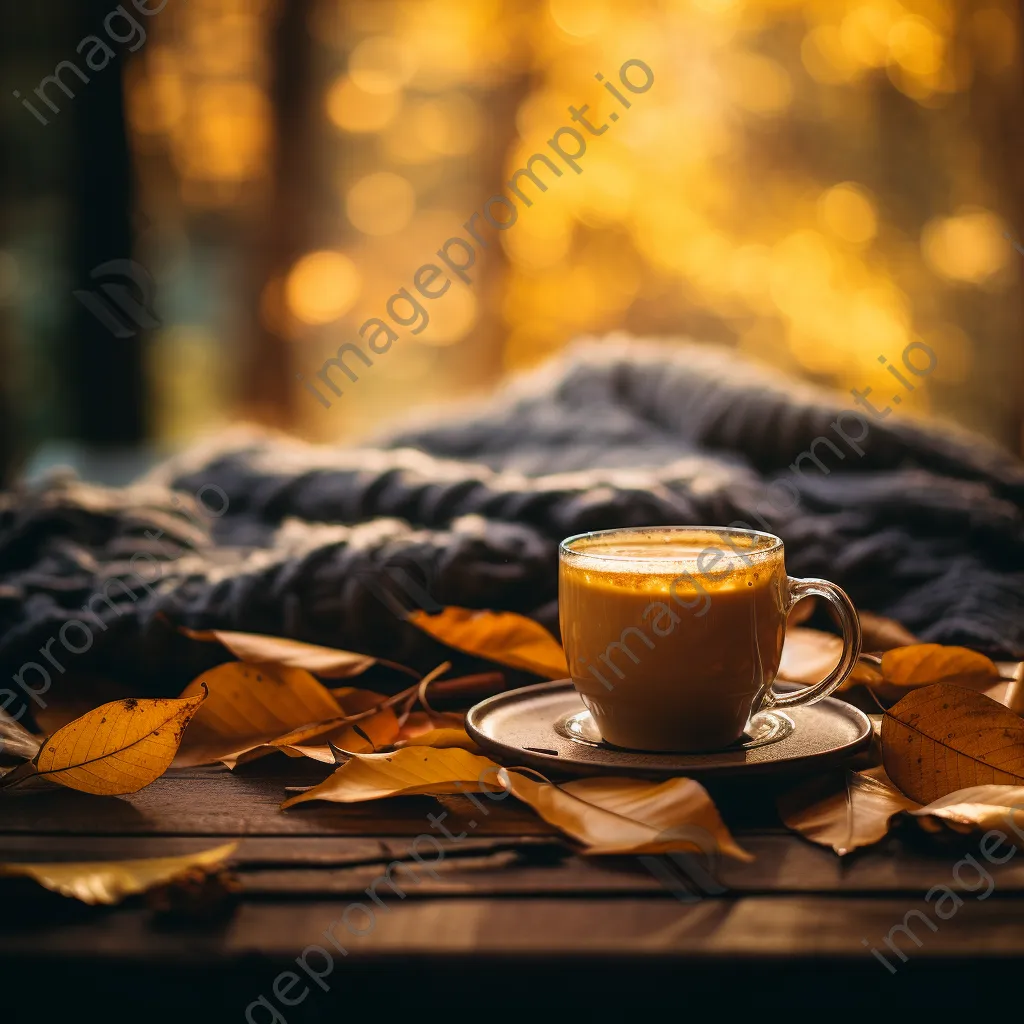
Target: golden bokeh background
815	183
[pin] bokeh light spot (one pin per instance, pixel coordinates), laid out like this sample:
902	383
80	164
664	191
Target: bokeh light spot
381	64
322	286
848	212
969	246
354	110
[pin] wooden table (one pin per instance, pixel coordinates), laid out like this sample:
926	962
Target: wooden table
499	924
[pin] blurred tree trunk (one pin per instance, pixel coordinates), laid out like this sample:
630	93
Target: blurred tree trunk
268	392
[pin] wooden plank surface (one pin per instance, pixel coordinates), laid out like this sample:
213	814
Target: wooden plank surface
764	927
509	896
305	867
218	802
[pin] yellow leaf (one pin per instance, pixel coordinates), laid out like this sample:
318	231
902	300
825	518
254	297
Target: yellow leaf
922	664
362	737
448	737
409	772
116	748
274	650
624	816
605	815
939	737
248	706
111	881
504	637
846	817
808	655
382	728
368	734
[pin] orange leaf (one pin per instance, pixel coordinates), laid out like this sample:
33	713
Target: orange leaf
274	650
941	738
846	817
922	664
250	705
435	729
504	637
114	749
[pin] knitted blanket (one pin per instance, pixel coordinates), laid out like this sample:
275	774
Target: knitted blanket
267	534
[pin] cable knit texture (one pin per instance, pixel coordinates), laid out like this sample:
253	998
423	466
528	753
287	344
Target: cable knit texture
917	521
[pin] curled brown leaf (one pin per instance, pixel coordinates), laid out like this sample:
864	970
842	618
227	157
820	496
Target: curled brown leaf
943	738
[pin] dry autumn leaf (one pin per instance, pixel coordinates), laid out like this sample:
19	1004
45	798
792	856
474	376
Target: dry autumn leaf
111	881
606	816
857	812
362	737
626	816
435	729
942	738
257	649
922	664
380	729
809	654
248	706
457	737
505	637
116	748
862	814
411	772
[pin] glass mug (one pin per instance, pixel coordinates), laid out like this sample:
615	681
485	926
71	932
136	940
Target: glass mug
674	634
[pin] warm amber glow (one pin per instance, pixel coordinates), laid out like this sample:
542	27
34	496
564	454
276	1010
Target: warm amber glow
825	57
582	18
354	110
451	317
864	34
848	212
381	65
916	45
967	247
321	286
759	84
380	204
448	125
156	98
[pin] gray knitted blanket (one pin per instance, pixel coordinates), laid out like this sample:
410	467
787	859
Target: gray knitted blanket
329	544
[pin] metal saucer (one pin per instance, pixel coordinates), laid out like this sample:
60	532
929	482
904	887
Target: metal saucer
547	727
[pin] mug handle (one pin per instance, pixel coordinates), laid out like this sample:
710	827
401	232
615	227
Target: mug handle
850	624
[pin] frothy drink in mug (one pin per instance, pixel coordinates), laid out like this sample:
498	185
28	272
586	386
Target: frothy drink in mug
673	635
